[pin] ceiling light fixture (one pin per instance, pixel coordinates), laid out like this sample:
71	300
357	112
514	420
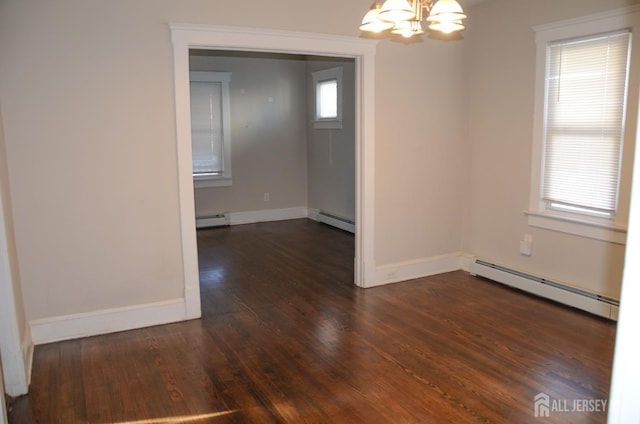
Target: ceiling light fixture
405	17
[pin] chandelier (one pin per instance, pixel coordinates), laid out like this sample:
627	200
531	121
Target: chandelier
405	17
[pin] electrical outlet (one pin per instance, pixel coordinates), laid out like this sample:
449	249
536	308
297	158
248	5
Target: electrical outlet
267	197
526	245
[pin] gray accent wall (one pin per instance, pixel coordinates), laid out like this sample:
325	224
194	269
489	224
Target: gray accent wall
268	133
331	152
275	147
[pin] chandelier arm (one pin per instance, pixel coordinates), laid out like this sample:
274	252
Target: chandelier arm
425	8
417	6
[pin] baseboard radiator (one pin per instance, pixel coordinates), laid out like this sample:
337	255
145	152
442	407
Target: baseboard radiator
560	292
336	221
218	220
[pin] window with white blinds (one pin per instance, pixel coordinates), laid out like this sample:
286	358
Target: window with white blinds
585	101
206	128
210	128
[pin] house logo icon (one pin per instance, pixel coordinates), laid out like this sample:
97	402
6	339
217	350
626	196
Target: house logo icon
541	405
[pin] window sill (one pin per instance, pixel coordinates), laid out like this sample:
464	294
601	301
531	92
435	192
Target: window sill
328	124
205	182
604	231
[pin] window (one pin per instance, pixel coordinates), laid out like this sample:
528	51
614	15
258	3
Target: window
582	86
328	101
585	101
210	128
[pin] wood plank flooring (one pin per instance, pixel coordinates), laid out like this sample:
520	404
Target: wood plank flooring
286	338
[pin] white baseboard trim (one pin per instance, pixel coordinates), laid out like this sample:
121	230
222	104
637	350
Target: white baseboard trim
218	220
69	327
402	271
552	290
337	221
16	351
251	217
312	213
27	347
465	261
17	380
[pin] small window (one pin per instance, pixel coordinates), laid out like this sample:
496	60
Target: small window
210	129
327	97
328	101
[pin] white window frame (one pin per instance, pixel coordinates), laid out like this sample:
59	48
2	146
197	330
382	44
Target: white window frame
321	76
539	215
223	180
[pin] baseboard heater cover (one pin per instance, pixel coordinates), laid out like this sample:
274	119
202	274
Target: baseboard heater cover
218	220
582	299
336	221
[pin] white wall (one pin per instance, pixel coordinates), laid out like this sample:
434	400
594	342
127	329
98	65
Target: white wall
420	157
268	133
89	129
499	63
331	152
90	136
89	120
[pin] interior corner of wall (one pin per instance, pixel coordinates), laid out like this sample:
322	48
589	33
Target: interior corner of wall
465	260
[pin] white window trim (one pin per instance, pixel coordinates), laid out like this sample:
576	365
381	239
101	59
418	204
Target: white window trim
611	230
224	180
323	75
605	231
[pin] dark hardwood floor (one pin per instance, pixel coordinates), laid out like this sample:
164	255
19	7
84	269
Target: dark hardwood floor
286	337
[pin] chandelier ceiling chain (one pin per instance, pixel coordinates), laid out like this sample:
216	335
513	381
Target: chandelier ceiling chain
405	17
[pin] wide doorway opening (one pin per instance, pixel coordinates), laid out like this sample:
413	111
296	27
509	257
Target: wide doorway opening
273	139
362	52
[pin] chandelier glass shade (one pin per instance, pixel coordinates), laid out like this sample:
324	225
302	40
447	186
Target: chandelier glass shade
406	17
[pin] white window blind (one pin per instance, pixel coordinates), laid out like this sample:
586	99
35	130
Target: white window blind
207	128
586	84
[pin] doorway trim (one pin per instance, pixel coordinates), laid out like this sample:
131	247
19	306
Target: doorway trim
213	37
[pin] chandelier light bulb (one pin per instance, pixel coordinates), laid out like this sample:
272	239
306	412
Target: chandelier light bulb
405	17
447	27
408	29
372	23
397	11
